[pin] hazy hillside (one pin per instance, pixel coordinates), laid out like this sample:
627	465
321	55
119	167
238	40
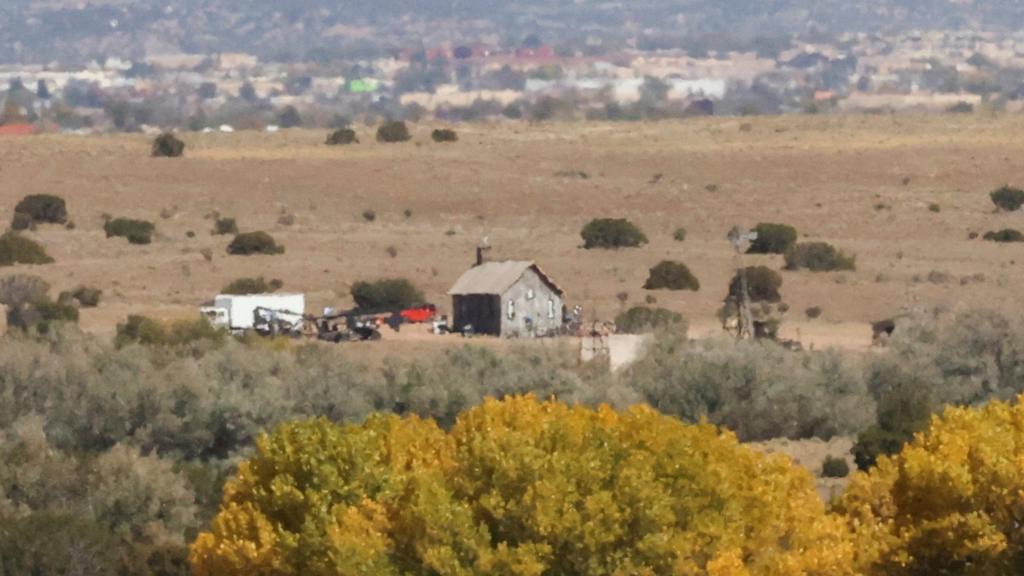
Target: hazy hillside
42	31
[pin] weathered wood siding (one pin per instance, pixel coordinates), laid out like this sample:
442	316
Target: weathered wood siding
544	309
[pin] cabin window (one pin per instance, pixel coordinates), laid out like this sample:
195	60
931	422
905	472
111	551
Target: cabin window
551	308
511	309
529	294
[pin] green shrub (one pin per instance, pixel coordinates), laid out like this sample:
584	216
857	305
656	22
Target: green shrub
1006	235
763	285
813	312
444	135
151	332
389	294
40	314
1007	198
136	231
168	145
369	215
16	249
248	243
253	286
933	207
41	208
642	319
342	137
818	257
668	275
876	442
679	235
772	238
395	131
612	233
22	221
87	296
834	467
223	226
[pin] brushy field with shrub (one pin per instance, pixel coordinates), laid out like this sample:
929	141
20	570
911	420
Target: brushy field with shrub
135	231
612	233
124	448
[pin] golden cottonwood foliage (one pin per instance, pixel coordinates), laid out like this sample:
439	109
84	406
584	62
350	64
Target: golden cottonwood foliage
952	502
519	487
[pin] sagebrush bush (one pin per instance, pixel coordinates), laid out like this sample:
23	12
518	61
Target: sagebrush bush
612	233
17	249
152	332
772	238
388	294
818	257
21	221
763	285
669	275
45	208
1008	198
756	388
1005	235
342	136
168	145
18	290
444	135
813	312
87	296
135	231
248	243
258	285
643	319
835	467
224	226
395	131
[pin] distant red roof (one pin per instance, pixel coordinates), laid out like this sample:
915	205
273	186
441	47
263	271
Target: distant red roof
16	130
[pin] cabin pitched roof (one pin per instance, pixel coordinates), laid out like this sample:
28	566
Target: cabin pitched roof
494	278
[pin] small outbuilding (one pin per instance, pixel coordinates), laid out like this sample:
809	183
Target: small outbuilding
513	299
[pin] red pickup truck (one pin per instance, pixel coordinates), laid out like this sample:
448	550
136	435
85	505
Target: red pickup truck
419	314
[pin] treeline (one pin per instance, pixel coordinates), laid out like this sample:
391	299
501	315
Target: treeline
124	450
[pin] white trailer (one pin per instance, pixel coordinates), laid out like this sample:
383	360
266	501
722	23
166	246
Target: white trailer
240	313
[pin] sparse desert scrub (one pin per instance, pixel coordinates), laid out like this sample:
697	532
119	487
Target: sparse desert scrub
342	137
39	208
1008	198
818	257
135	231
612	233
444	135
168	145
259	285
643	319
772	238
391	132
669	275
17	249
248	243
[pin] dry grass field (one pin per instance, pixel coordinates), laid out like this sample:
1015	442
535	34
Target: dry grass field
863	183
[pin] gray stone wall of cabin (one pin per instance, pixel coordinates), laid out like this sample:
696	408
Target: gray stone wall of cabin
536	308
483	311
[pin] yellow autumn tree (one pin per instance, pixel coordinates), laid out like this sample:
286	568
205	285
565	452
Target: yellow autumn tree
952	502
520	487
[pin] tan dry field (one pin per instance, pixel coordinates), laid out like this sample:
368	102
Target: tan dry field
824	175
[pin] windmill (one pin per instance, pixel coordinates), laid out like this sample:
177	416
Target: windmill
740	240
